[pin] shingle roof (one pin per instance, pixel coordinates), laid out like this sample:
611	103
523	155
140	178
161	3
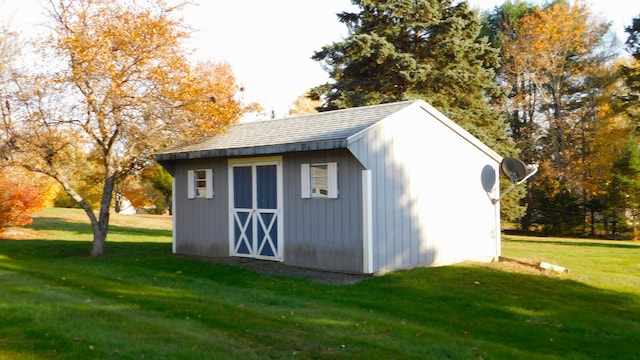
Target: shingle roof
321	131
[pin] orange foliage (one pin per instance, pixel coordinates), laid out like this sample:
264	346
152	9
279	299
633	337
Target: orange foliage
21	196
305	105
135	192
548	37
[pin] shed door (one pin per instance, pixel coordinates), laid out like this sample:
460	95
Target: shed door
255	212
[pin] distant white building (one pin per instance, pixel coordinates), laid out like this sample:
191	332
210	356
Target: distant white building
126	208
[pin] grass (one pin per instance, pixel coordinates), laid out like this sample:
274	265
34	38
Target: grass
140	301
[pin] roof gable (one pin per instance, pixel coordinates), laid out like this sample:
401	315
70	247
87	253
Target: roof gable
321	131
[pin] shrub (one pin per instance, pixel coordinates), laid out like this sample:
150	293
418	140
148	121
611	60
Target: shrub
21	196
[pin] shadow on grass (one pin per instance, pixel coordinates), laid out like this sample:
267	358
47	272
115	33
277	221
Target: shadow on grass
612	244
142	300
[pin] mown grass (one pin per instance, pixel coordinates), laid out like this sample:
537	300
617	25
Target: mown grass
140	301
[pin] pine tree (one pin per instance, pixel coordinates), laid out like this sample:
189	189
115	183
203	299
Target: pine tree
631	72
421	49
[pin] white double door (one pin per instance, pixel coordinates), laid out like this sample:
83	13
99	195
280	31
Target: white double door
255	201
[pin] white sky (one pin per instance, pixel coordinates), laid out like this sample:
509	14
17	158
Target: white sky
269	43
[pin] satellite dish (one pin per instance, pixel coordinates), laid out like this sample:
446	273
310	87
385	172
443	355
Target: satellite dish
514	169
517	172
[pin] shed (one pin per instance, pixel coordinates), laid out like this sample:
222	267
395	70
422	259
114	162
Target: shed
363	190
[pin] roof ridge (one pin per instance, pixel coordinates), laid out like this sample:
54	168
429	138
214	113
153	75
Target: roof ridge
332	112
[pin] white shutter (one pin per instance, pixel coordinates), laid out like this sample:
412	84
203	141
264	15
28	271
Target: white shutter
191	183
332	170
209	178
305	181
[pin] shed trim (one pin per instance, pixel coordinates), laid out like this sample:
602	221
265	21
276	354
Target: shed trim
367	222
254	151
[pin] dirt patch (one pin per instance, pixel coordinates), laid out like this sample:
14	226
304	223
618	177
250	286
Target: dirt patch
280	269
526	266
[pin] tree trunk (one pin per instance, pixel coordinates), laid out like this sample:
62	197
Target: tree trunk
593	223
99	238
101	226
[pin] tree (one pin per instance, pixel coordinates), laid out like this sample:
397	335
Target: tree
604	133
630	72
518	106
624	189
555	50
118	89
426	49
305	104
551	66
160	183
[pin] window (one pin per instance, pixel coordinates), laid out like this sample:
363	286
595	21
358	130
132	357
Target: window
320	180
200	184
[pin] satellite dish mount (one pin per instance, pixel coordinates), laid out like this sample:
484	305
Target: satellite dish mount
517	172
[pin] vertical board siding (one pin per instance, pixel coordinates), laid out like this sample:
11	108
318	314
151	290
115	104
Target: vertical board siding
429	206
324	233
201	224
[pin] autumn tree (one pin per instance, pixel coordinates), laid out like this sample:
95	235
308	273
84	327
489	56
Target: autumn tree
8	53
117	87
305	104
551	60
552	52
605	130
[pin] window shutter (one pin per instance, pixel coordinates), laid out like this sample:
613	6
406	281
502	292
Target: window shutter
332	169
209	178
305	181
191	183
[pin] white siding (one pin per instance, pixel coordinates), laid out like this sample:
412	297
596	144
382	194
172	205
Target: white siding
429	206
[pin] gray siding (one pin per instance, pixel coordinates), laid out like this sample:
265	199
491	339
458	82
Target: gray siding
318	233
324	233
201	225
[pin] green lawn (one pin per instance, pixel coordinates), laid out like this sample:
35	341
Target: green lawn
142	302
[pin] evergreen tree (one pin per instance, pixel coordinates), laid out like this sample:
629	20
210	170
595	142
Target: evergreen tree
624	188
631	72
421	49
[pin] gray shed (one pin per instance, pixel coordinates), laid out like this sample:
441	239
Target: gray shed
363	190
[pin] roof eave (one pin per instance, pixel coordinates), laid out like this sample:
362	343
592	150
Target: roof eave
254	150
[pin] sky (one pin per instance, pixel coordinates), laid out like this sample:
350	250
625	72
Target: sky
269	44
